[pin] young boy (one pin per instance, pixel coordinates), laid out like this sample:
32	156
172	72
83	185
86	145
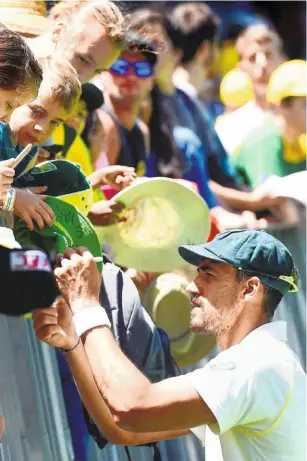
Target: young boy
34	123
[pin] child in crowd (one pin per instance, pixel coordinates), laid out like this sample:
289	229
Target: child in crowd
20	76
34	123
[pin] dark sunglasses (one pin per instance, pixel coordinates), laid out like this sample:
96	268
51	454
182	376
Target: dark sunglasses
142	69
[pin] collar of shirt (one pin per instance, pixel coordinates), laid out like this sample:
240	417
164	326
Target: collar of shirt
276	330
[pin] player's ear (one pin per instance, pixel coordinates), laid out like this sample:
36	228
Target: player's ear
251	288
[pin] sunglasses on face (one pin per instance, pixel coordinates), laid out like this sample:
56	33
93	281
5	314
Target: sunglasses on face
142	69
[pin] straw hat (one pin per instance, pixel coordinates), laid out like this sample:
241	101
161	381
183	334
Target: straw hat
160	215
27	17
169	306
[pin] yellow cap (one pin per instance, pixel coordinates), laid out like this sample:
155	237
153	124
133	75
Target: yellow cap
236	89
226	60
289	79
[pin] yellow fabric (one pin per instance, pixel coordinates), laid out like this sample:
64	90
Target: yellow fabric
236	89
78	153
227	59
294	153
289	79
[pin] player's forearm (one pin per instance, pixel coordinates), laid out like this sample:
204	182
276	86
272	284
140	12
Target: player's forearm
125	390
99	410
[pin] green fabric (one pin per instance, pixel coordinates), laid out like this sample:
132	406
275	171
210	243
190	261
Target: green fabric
262	155
61	176
71	229
256	252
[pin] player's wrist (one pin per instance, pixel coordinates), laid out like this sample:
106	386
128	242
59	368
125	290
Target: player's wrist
92	317
84	303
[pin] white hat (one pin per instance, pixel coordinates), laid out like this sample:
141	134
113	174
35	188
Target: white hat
169	306
161	214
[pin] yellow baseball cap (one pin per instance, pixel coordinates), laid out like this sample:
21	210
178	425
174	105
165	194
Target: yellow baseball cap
289	79
236	89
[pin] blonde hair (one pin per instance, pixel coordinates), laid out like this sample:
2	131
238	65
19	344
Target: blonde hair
259	33
104	11
61	79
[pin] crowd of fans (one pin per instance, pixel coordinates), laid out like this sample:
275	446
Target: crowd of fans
153	93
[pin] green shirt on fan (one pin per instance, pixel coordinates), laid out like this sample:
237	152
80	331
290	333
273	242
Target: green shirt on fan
265	153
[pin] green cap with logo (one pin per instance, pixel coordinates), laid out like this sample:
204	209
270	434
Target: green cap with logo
256	252
70	198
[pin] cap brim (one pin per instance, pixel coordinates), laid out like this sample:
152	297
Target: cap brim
195	254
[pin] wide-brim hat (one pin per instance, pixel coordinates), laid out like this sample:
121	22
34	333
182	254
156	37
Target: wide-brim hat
169	306
25	16
160	215
70	229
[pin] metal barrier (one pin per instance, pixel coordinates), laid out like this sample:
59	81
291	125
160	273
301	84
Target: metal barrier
31	397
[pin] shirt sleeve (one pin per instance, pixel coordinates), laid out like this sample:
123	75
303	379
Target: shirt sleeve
242	395
225	388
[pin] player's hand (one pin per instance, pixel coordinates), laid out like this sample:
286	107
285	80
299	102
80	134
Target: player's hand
55	326
6	177
30	207
106	213
78	277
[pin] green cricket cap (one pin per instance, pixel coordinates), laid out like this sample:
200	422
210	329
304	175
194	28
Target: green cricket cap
256	252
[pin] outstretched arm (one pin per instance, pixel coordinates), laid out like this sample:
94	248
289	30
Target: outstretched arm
134	402
54	326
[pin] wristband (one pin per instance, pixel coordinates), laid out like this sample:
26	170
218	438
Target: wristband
67	351
9	201
90	318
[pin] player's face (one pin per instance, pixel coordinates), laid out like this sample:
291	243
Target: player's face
215	298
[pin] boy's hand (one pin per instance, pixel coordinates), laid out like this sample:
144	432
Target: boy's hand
116	176
54	325
6	177
106	213
30	207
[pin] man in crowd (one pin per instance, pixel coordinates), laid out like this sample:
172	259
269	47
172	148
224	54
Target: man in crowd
261	51
129	80
198	26
185	112
250	400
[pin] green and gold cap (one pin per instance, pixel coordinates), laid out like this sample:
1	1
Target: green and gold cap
256	252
